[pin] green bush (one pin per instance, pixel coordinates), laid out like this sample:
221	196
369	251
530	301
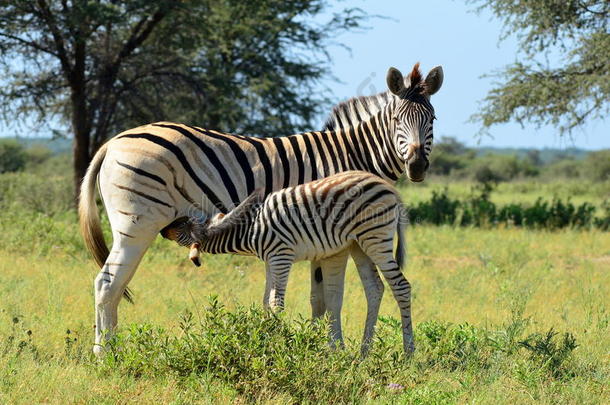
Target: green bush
498	168
597	165
478	210
12	156
38	194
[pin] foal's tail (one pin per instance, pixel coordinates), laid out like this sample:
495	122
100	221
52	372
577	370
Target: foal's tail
401	222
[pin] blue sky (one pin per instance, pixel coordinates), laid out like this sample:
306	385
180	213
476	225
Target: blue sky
447	33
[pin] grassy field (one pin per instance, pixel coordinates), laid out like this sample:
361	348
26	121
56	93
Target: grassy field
518	191
484	302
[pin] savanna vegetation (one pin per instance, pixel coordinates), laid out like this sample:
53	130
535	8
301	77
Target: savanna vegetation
502	316
509	253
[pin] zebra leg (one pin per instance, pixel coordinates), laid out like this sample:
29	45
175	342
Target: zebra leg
112	280
278	272
318	306
333	271
381	254
373	290
268	285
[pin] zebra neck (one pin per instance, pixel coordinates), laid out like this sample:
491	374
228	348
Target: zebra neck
371	146
233	239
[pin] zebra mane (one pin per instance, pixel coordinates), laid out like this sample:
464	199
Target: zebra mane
357	109
236	216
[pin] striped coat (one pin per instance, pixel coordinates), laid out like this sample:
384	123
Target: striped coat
313	221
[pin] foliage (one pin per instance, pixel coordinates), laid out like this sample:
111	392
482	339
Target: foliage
479	210
260	353
36	193
566	95
550	354
454	159
449	155
105	66
597	165
12	156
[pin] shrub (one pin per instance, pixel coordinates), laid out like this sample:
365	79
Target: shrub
48	195
12	156
478	210
549	354
254	350
597	165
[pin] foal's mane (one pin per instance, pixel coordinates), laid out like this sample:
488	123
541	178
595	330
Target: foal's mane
236	216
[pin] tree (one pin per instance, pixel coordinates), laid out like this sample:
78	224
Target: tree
106	65
449	155
12	156
567	95
597	165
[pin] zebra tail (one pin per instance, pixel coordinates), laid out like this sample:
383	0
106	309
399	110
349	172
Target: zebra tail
90	225
400	254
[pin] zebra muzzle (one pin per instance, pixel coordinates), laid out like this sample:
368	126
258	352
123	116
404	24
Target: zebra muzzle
194	254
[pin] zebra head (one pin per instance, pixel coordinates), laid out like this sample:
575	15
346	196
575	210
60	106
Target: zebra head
412	117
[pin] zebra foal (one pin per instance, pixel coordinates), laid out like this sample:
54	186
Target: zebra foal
317	221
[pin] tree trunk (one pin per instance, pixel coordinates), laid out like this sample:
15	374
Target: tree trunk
82	137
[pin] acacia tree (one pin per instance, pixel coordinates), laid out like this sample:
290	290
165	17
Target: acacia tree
567	94
106	65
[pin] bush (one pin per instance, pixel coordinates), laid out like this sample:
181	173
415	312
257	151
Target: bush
254	350
12	156
597	165
497	168
48	195
37	154
261	355
478	210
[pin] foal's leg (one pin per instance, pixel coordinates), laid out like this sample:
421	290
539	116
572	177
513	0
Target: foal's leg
318	307
381	254
373	290
333	271
278	271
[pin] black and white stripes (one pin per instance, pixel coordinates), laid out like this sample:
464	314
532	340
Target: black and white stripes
313	221
156	174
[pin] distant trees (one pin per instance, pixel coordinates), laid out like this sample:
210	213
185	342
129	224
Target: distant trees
597	165
12	156
103	66
452	158
566	95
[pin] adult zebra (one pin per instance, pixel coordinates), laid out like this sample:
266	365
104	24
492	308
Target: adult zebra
152	175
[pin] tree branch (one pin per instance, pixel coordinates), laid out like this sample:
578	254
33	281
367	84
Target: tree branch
62	54
32	44
137	38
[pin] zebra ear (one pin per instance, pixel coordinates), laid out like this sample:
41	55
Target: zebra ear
395	81
434	80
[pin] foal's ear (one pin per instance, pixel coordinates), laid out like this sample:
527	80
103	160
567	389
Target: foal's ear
395	81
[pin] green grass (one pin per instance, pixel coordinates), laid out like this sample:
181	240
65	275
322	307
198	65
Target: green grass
518	191
486	306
